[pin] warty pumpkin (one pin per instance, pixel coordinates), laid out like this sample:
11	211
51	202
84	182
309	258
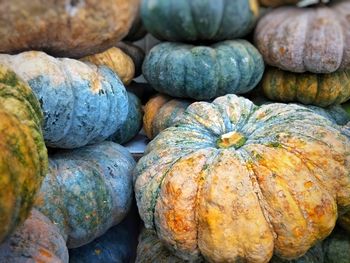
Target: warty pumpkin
136	53
234	181
87	191
199	20
23	155
73	28
203	72
314	39
82	103
308	88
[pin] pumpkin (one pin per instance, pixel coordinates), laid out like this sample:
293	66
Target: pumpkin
298	39
117	60
234	181
317	89
133	123
82	103
73	28
203	72
87	191
137	30
274	3
142	90
337	247
161	112
37	240
199	20
23	155
136	53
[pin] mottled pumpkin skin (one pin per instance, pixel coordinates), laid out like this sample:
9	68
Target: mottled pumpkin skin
203	72
37	240
116	60
133	122
337	247
199	20
82	104
234	181
297	39
162	112
64	28
317	89
87	191
136	53
23	155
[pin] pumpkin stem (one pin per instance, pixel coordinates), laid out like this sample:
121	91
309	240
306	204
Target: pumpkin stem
231	139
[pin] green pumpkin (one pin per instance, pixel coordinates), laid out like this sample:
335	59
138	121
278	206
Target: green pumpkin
337	247
199	20
23	155
203	72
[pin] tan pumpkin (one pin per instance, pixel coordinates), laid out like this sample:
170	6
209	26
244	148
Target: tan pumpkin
72	28
314	39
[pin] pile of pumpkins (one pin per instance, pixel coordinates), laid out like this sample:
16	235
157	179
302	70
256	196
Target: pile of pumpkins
248	157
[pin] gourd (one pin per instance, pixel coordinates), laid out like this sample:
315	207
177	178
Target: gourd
37	240
137	30
203	72
133	123
162	112
232	180
23	155
87	191
199	20
136	53
82	104
337	247
316	89
73	28
275	3
116	60
298	39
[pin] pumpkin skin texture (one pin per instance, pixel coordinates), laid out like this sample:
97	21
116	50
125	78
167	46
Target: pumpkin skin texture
337	247
297	39
199	20
82	104
85	27
37	240
87	191
133	122
203	72
116	60
258	159
23	155
162	112
317	89
136	53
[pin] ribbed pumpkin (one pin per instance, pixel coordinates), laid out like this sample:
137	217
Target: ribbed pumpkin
73	28
161	112
317	89
315	39
116	60
23	155
203	72
234	181
199	20
87	191
82	103
136	53
37	240
133	122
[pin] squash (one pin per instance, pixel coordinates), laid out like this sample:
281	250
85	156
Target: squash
87	191
203	72
162	112
23	155
37	240
142	90
74	28
137	30
199	20
136	53
133	122
116	60
234	181
275	3
320	90
337	247
298	39
82	103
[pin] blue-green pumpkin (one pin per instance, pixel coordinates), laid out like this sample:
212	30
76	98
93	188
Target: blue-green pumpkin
87	191
199	20
133	123
203	72
82	103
